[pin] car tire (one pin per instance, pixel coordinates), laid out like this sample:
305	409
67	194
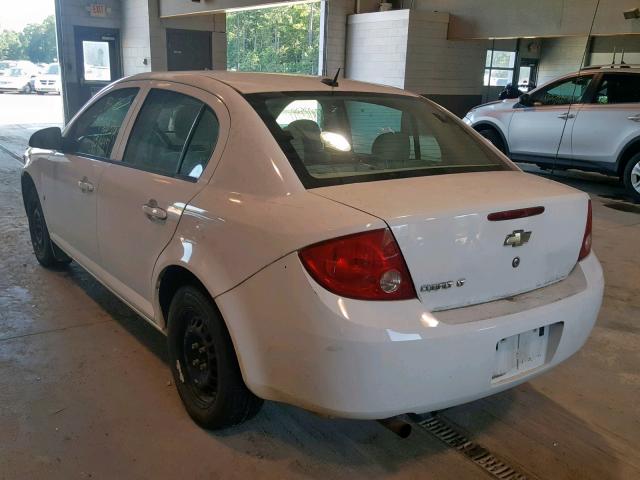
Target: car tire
494	137
46	252
631	177
40	93
27	89
214	395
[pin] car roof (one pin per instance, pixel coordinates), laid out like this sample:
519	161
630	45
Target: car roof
625	68
246	83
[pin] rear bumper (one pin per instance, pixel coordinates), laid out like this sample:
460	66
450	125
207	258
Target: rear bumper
300	344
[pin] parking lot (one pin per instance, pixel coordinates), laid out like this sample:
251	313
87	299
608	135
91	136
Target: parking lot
86	392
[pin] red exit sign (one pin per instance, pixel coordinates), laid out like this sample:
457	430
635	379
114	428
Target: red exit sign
98	10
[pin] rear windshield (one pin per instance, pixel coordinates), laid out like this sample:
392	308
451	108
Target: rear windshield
341	137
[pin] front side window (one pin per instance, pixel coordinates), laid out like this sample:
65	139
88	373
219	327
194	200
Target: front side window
360	137
174	135
618	88
94	133
564	92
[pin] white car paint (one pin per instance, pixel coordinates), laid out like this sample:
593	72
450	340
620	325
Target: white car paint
49	81
238	229
17	79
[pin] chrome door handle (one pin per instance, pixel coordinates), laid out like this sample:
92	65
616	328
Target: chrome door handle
153	211
567	115
85	185
635	118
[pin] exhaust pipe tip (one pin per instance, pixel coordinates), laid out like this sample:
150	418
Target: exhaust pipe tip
397	425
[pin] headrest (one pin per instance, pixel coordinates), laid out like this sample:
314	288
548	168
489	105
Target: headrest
391	146
305	128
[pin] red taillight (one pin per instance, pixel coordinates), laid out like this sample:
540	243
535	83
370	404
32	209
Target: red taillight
364	266
586	240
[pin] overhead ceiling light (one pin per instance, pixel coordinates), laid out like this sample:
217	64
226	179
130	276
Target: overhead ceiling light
633	13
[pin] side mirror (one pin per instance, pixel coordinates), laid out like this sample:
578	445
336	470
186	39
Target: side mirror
47	139
525	100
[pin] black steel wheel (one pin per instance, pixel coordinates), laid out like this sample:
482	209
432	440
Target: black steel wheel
204	363
46	252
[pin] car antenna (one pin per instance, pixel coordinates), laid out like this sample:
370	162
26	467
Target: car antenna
332	82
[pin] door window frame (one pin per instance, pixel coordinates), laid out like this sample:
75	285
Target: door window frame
69	129
209	99
600	79
585	99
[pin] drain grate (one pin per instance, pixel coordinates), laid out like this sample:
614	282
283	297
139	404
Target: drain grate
476	453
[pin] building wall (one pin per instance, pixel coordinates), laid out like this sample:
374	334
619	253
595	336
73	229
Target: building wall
447	71
559	56
542	18
602	49
144	36
337	12
70	14
134	34
409	49
377	47
212	23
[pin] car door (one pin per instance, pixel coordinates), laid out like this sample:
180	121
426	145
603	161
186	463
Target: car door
169	155
538	132
608	122
74	174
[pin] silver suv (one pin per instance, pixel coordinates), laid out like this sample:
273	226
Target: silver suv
588	120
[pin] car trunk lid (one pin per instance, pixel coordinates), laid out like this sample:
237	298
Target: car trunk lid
455	254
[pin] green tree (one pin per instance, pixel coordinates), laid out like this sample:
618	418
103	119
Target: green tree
39	40
11	47
278	39
36	42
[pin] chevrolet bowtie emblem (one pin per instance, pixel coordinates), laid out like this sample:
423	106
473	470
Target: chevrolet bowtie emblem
517	238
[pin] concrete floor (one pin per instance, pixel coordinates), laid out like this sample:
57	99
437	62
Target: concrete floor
85	391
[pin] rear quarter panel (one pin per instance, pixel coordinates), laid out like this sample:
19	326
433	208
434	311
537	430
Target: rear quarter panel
225	237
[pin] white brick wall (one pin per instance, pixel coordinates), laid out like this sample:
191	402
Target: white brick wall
335	43
377	47
439	66
135	37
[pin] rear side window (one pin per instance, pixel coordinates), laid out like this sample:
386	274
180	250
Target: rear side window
618	88
174	135
347	137
201	145
94	133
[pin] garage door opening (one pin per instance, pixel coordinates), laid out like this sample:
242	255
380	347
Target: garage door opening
285	39
30	80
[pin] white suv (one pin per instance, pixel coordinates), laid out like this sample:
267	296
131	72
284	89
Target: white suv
588	121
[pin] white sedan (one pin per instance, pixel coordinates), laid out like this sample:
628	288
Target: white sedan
348	248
